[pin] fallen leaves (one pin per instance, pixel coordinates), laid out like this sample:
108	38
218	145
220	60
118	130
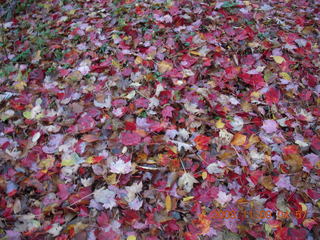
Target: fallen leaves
202	142
130	139
120	167
278	59
120	124
105	197
269	126
186	181
272	96
168	203
239	139
164	66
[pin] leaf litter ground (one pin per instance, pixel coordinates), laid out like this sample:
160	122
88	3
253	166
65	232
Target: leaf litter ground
141	119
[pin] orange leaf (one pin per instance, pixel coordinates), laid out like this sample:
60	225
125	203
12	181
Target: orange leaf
204	223
238	139
202	142
168	203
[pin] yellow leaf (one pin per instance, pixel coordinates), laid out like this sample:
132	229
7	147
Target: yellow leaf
219	124
67	162
47	6
253	44
138	60
246	106
285	76
238	139
303	206
168	203
278	59
204	175
186	199
20	85
164	66
47	163
131	237
294	161
255	94
253	139
71	12
89	160
195	53
116	64
112	179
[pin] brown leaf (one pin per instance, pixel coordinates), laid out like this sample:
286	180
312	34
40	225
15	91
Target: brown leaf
294	161
267	182
238	139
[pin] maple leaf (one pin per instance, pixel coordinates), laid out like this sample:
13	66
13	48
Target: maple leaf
202	142
223	198
55	229
167	112
120	167
186	181
272	96
133	190
106	197
135	204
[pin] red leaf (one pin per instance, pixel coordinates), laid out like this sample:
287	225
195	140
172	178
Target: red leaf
103	220
313	194
131	126
71	57
63	191
202	142
272	96
255	80
315	143
85	124
290	149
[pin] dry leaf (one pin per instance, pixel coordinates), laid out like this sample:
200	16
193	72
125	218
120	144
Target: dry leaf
278	59
267	182
168	203
164	66
238	139
90	138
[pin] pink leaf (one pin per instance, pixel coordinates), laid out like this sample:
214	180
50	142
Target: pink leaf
130	139
167	112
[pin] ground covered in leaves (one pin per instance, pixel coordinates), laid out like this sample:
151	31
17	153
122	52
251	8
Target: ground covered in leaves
140	119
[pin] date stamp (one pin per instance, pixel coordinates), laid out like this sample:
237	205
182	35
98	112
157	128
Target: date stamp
259	214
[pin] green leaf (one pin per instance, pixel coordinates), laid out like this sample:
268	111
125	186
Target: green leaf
228	4
27	114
